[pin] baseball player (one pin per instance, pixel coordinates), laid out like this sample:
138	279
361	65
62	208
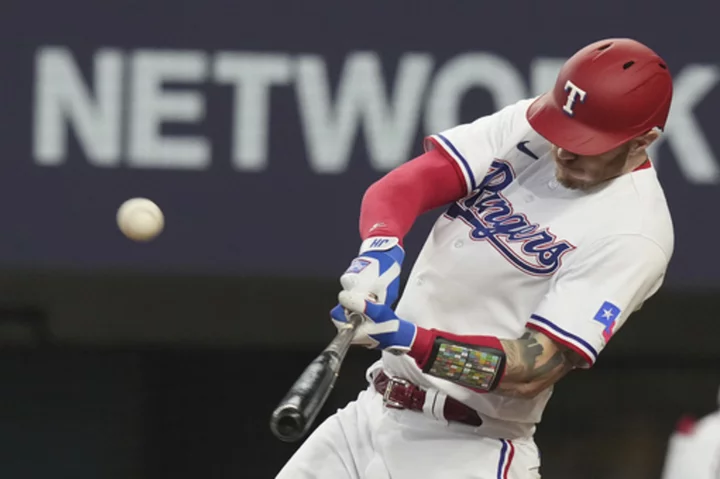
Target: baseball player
694	449
557	230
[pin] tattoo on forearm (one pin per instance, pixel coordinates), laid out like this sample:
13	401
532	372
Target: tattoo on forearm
525	359
531	366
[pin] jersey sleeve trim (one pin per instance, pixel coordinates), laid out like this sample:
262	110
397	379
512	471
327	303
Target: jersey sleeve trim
446	145
556	333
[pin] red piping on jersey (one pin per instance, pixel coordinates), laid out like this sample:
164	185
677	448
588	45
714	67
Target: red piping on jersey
391	205
547	332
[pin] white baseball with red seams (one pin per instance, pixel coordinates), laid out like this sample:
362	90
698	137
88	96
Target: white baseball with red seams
140	219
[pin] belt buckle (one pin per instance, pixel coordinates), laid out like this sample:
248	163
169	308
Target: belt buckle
392	382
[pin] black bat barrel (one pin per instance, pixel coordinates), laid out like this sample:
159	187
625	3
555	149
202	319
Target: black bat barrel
292	418
301	405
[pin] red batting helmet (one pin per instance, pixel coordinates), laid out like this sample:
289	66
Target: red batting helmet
606	94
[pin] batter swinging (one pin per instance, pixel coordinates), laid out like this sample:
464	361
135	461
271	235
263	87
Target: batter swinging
557	231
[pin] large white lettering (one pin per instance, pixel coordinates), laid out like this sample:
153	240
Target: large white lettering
331	129
252	75
63	102
543	73
151	106
116	126
471	70
683	132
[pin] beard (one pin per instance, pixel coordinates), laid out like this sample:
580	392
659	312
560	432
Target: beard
613	168
572	183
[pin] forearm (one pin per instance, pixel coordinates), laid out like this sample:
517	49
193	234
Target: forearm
391	205
533	364
524	367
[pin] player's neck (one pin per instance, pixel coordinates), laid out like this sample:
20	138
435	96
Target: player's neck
635	161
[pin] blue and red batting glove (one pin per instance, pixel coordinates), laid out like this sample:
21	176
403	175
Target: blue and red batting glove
376	269
382	328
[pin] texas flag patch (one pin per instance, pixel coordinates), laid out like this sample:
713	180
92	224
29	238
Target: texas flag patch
607	315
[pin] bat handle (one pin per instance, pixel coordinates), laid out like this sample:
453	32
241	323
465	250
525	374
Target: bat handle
341	344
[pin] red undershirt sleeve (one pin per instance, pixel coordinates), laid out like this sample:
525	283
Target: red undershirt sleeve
391	205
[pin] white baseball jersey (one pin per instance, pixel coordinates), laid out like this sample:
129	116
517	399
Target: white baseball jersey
521	251
695	453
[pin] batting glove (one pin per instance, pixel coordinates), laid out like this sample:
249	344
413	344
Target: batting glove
381	329
376	270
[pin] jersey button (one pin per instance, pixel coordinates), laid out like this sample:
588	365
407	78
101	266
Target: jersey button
458	244
529	198
552	184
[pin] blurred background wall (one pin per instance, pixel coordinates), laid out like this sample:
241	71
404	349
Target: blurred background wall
257	127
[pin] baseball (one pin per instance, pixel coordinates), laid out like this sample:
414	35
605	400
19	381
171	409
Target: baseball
140	219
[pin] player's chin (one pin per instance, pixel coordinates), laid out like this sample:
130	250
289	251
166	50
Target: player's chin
572	181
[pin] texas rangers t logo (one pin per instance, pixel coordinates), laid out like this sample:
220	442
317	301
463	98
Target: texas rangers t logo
491	218
574	94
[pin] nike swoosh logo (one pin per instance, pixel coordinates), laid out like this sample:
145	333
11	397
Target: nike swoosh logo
524	149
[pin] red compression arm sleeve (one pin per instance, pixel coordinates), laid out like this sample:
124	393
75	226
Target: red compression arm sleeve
391	205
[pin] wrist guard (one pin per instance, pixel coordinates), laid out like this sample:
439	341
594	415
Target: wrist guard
379	243
473	366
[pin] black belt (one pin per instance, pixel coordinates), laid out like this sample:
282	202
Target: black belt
400	393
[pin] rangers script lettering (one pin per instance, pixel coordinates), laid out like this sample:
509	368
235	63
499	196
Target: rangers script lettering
491	217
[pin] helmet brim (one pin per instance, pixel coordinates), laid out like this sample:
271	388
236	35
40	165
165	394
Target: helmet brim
551	122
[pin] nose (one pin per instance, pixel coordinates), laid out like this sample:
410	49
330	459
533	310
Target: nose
565	155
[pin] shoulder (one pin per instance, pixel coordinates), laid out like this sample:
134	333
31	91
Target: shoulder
621	249
652	213
475	145
635	205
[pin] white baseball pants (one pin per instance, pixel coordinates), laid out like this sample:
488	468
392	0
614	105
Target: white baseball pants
367	440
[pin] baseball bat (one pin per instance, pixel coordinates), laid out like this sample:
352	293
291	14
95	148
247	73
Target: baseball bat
294	415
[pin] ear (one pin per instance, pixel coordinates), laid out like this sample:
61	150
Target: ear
643	142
